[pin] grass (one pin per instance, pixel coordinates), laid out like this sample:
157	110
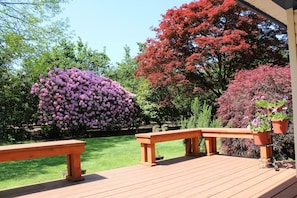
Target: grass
100	154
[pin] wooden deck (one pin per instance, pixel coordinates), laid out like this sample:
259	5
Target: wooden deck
211	176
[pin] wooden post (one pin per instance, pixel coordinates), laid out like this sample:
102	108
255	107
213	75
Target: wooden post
188	147
292	36
266	153
195	146
214	145
151	151
207	145
211	146
73	166
143	148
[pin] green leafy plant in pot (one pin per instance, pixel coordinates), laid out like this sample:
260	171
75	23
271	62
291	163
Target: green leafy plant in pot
261	127
279	111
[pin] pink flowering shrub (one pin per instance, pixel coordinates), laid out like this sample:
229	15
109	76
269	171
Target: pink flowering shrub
237	105
70	99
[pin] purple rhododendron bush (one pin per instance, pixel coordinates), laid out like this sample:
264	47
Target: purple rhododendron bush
237	107
72	99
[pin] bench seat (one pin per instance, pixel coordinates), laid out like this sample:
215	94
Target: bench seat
147	142
71	148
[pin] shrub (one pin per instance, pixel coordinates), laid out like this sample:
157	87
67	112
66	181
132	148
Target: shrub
237	104
284	147
17	106
200	117
74	99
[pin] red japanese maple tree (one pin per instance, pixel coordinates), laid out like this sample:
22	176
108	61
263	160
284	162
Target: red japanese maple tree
237	107
237	103
204	43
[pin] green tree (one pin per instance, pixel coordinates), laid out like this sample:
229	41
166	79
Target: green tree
27	28
68	54
17	105
124	72
146	97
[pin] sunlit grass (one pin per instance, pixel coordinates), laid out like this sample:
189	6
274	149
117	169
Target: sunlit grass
100	154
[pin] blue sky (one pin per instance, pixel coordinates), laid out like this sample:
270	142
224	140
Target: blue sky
116	23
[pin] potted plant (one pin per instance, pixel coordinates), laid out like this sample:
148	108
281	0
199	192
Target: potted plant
260	127
279	112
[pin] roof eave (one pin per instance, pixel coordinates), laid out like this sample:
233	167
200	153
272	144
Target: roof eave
255	9
286	4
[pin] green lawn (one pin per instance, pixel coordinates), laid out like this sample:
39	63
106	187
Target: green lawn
100	154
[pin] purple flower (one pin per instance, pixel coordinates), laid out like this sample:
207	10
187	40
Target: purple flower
73	97
255	122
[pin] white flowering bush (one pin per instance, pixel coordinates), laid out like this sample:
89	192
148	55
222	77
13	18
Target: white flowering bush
71	98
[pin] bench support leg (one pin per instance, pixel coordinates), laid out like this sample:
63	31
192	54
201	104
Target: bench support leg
148	155
151	154
192	147
143	148
188	147
195	146
73	166
211	145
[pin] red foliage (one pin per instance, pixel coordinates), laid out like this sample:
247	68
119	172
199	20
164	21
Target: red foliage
237	104
205	42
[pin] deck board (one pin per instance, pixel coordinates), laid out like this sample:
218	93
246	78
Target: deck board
210	176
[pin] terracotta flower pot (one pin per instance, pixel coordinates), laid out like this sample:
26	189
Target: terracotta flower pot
280	126
261	138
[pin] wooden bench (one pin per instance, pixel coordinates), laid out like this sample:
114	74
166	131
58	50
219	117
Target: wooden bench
147	142
71	148
210	135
